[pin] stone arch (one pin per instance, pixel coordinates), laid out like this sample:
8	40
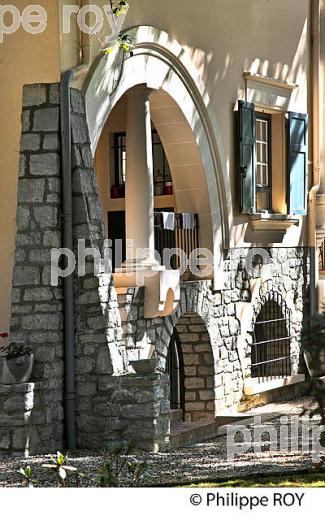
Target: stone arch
264	292
198	365
260	286
204	389
161	63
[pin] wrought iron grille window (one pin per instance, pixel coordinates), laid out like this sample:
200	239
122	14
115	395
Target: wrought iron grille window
271	347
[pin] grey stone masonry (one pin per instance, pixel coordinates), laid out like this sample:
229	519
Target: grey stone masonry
216	349
128	407
16	409
37	309
99	345
37	306
112	403
199	368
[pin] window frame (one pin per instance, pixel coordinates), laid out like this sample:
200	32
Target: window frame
260	188
118	180
289	163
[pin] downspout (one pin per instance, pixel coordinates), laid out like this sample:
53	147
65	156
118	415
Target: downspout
316	155
69	336
85	46
69	333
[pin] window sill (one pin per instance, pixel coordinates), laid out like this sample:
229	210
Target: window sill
253	386
272	221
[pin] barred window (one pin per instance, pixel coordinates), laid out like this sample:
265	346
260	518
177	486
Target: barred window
270	357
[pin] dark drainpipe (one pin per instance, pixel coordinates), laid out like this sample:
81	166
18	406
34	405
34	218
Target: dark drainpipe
69	339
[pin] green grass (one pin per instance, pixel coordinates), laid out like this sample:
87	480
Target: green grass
297	480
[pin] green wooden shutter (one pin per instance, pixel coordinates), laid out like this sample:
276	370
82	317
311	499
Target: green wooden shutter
297	158
246	156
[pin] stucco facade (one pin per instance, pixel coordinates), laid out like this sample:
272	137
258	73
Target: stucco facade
257	51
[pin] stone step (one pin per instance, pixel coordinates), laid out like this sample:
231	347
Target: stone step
188	433
176	417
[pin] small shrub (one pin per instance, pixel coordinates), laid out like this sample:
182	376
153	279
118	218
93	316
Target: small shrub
313	342
13	350
26	475
122	8
60	468
121	468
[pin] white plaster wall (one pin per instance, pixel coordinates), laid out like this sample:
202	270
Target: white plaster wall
221	40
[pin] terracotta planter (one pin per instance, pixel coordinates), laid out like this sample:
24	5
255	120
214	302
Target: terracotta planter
16	370
117	192
168	188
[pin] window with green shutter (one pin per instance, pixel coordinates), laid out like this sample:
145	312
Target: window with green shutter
262	143
297	163
247	156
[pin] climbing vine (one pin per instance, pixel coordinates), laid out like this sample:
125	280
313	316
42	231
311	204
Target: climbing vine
125	42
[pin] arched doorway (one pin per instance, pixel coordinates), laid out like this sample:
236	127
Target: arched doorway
270	357
190	365
175	369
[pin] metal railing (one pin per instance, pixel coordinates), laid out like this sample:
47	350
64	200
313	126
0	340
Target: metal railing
176	231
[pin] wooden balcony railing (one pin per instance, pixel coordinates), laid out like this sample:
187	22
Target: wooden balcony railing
176	231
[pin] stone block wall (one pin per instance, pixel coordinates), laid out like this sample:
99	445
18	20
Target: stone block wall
112	403
199	368
36	305
140	410
219	312
99	348
37	308
16	406
128	407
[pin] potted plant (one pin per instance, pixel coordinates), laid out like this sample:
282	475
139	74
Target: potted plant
17	362
169	188
118	191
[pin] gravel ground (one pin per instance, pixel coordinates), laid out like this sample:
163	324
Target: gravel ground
203	461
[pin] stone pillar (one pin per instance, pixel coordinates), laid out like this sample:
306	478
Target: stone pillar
139	199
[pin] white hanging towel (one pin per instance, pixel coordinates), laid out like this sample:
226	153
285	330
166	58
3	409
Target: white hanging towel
168	220
188	220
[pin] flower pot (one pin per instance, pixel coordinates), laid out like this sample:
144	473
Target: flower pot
117	192
16	370
168	188
144	366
